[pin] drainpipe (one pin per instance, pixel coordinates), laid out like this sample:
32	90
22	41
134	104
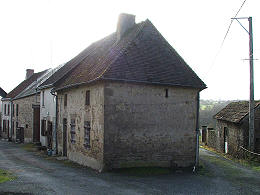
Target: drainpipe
56	123
197	134
11	120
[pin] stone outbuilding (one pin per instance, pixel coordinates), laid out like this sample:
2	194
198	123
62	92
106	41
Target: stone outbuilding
232	128
128	100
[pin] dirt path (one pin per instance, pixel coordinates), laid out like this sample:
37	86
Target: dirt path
37	175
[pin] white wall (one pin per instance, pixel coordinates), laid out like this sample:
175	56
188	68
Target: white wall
47	111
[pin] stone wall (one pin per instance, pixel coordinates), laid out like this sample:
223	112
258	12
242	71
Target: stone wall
211	138
94	113
143	127
25	116
235	137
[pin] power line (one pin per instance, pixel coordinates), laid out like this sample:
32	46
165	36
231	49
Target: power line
213	63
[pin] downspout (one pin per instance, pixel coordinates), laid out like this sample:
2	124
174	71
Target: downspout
197	134
56	123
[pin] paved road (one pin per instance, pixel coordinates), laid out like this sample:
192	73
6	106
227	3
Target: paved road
38	175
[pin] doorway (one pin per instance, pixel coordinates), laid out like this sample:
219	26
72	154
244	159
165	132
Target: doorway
36	124
225	140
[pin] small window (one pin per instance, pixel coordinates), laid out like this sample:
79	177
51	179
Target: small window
7	125
87	134
17	109
8	110
26	126
166	93
87	100
13	128
73	131
43	98
65	100
5	109
17	125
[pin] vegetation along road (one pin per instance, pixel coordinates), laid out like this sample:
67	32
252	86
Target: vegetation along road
34	173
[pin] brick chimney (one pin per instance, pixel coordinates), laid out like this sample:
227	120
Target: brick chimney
125	22
29	73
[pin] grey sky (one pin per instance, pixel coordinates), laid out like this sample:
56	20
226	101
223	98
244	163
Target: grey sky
43	34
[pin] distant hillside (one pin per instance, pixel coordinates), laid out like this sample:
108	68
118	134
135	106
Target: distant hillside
208	108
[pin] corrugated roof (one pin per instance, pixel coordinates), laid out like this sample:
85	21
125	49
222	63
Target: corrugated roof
235	111
23	85
141	55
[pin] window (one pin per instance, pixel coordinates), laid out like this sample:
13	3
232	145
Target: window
8	110
87	134
166	93
12	109
73	131
43	127
65	100
17	125
5	109
87	99
17	109
42	98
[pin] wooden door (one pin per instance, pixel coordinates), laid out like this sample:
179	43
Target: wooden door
64	137
225	140
36	124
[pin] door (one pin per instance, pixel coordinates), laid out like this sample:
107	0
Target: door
64	137
225	140
36	124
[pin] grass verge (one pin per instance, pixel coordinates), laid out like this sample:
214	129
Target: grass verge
6	176
244	162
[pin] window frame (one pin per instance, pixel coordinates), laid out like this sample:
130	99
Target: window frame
87	98
87	129
73	131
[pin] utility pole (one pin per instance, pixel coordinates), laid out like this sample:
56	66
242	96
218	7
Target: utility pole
251	103
251	136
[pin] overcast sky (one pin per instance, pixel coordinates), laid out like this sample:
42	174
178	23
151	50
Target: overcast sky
43	34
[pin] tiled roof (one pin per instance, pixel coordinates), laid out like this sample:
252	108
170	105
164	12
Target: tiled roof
23	85
141	55
235	111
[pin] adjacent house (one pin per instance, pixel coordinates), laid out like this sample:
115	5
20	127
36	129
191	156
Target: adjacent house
128	100
3	95
27	112
48	111
233	127
8	108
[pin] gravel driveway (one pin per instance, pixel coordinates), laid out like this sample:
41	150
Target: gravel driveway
38	175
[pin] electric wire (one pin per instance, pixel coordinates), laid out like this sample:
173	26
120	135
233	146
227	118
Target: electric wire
221	46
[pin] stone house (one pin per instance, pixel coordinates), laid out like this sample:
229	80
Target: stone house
128	100
232	128
26	110
9	108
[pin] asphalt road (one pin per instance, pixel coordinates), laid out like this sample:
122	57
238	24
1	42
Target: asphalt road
37	174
